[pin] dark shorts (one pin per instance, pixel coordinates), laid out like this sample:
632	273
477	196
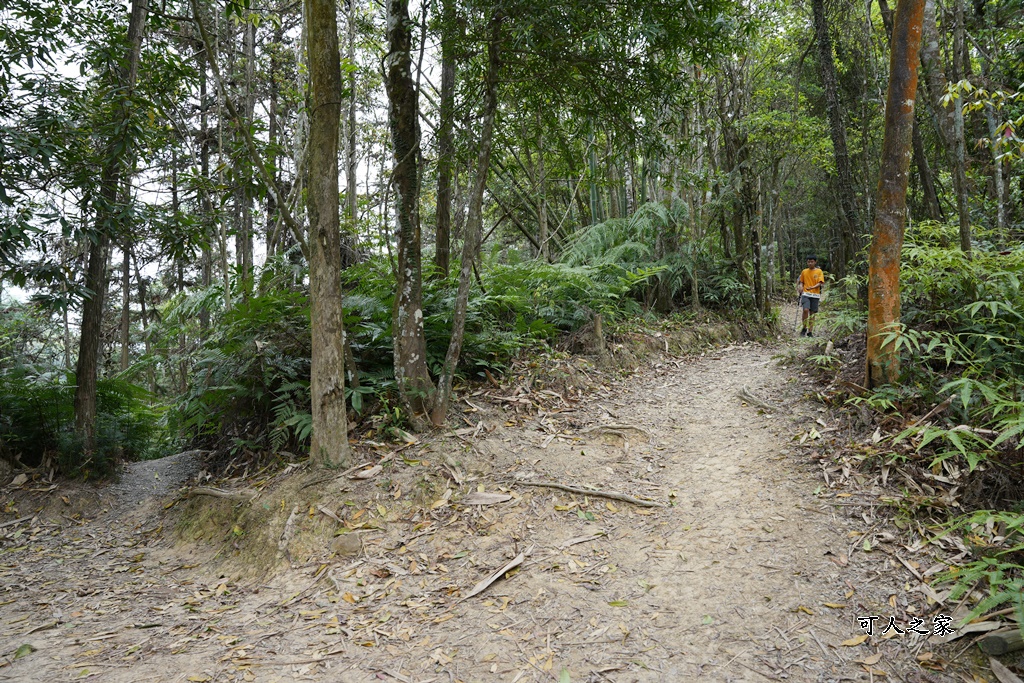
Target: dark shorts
809	303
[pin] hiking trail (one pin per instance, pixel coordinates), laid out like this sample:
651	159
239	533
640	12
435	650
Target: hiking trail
745	575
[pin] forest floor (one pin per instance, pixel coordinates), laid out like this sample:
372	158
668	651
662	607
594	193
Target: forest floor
757	567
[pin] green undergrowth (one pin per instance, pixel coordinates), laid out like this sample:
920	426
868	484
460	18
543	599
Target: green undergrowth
249	379
961	343
37	423
235	380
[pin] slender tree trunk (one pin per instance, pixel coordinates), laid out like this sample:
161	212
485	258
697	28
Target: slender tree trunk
755	247
932	208
474	224
145	323
445	141
998	181
414	383
244	253
206	259
272	142
107	212
883	362
542	200
126	321
596	216
327	374
848	219
351	158
950	120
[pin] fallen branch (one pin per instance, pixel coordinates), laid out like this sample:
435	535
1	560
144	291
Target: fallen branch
748	396
1002	641
616	428
242	496
594	492
16	521
933	412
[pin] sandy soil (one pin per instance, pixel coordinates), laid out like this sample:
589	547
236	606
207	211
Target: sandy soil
749	573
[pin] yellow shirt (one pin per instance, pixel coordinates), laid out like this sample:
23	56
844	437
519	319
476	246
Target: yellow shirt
812	280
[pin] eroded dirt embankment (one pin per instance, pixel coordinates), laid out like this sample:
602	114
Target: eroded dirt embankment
744	575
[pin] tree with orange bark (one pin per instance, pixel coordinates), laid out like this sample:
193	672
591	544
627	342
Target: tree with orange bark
890	216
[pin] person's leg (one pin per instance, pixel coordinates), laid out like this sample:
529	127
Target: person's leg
805	304
812	310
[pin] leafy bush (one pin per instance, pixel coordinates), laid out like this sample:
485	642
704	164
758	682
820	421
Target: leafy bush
629	244
961	342
250	379
37	423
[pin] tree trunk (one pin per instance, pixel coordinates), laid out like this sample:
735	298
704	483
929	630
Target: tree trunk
327	374
542	201
883	362
950	120
932	208
848	219
206	259
998	181
755	248
411	374
445	141
117	148
474	224
351	158
145	324
272	142
126	320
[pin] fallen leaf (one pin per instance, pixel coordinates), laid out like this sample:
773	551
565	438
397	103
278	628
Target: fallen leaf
367	474
482	585
805	610
24	651
19	480
619	603
1002	673
872	660
834	605
855	641
485	498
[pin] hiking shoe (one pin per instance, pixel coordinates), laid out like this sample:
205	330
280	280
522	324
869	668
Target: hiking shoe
810	334
803	333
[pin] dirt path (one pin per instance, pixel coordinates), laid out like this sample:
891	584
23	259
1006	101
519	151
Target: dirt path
747	576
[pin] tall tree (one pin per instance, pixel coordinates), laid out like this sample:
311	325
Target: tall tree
414	383
474	223
890	215
117	149
445	139
848	219
327	372
950	120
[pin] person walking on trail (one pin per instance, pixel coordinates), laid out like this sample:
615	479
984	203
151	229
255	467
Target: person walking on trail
809	287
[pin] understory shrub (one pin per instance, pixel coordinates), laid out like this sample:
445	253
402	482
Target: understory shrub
961	341
37	423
